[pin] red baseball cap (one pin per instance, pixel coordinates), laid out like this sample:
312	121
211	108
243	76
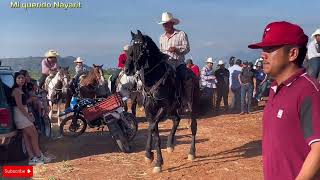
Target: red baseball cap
281	33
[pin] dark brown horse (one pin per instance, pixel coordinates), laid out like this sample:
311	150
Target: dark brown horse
160	93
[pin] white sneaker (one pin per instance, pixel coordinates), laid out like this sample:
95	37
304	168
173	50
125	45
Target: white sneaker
45	159
35	161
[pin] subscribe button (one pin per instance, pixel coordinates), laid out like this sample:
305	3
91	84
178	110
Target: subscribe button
17	171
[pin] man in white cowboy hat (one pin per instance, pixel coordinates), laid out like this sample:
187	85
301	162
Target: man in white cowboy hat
175	44
79	65
208	80
222	75
49	63
314	54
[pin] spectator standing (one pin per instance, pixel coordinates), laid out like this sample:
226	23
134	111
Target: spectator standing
235	87
291	118
314	54
194	68
246	79
208	81
261	81
222	75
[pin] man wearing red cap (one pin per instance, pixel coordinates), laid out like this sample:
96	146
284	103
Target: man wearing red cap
291	119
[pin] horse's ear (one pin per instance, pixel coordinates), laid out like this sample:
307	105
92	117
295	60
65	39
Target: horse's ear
94	65
67	68
101	66
139	33
132	34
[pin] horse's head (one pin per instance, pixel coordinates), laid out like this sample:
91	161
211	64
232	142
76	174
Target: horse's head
63	76
141	53
98	72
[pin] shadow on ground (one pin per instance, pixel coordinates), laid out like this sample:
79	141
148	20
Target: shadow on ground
248	150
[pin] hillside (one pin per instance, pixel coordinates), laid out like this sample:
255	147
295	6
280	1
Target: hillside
33	64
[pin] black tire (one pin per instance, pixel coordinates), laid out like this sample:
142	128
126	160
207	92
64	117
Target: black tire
122	142
66	121
129	124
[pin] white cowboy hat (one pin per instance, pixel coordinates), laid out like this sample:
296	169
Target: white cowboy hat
126	47
78	60
317	32
51	53
220	62
210	60
167	17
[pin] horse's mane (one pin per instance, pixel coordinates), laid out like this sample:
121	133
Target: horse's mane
153	47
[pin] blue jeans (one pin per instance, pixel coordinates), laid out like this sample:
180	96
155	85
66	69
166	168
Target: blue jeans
261	88
314	67
246	97
235	105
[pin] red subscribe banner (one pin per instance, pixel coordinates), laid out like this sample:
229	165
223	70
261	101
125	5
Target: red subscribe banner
17	171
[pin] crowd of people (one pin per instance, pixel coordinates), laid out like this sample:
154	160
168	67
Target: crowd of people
246	80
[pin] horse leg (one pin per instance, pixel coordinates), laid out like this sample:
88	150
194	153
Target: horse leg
151	130
134	106
149	156
58	111
170	141
68	100
51	109
159	162
192	152
126	106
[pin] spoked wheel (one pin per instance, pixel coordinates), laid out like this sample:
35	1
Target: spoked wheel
129	125
73	127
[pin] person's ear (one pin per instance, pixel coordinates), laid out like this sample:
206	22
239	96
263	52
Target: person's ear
293	54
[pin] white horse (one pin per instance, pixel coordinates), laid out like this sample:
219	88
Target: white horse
130	87
57	87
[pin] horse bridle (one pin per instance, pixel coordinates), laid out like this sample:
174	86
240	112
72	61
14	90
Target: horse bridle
142	48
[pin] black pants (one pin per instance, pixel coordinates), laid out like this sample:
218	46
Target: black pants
222	92
42	80
113	79
184	83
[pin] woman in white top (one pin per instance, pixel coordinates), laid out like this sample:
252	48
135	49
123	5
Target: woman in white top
24	120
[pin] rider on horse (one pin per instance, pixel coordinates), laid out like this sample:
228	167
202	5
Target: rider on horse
47	64
175	44
121	63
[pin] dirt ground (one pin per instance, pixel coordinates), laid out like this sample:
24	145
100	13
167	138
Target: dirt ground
228	147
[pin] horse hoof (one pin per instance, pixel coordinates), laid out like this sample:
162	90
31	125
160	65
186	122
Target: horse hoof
148	160
157	170
191	157
169	149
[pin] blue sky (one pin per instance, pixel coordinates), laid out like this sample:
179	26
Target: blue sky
99	29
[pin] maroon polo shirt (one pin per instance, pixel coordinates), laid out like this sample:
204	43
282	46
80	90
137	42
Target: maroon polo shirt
291	123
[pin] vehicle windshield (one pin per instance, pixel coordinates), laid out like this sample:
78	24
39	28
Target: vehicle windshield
7	79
